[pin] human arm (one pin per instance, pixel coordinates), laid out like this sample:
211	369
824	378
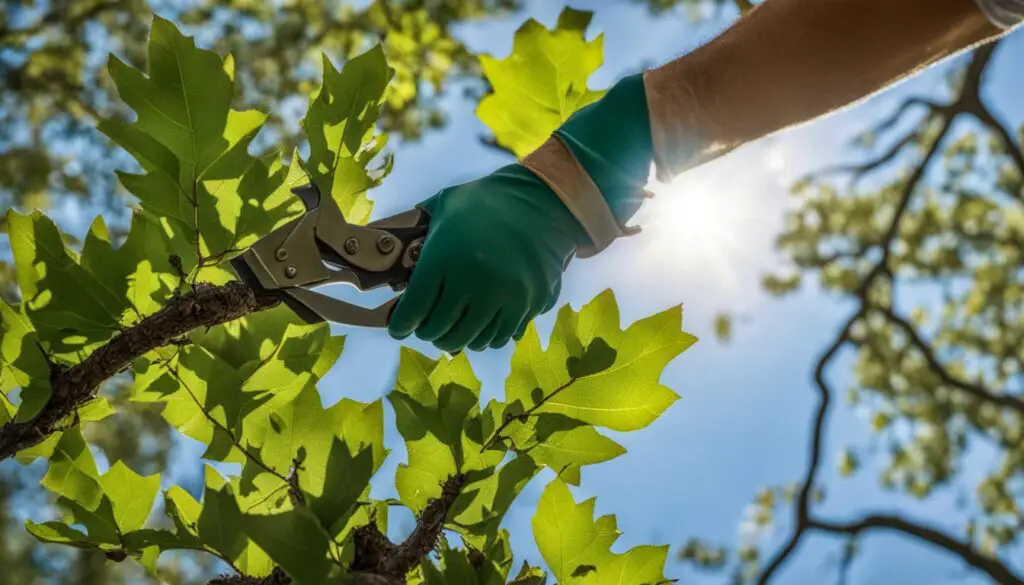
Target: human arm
792	61
496	249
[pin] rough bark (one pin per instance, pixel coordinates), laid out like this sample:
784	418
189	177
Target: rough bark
72	387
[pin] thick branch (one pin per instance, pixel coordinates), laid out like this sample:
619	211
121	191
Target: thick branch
999	572
376	554
72	387
278	577
377	560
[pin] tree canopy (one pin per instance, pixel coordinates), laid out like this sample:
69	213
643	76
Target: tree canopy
115	344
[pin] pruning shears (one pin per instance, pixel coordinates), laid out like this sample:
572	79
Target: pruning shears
320	247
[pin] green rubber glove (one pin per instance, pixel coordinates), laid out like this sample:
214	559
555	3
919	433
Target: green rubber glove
494	256
491	262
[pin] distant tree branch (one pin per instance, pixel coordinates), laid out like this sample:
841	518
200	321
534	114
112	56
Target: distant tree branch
744	6
859	170
967	102
1013	148
999	572
976	390
72	387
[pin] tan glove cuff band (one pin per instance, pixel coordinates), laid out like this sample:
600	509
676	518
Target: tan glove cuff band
554	163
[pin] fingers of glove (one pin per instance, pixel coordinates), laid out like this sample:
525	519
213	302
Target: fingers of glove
417	302
556	291
478	316
509	322
521	329
535	309
487	334
449	310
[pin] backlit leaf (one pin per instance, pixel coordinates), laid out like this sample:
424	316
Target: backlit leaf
541	83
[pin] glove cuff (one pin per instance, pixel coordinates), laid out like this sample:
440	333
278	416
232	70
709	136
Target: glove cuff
556	166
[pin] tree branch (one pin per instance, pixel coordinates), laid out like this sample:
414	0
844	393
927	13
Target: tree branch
377	560
278	577
966	102
999	572
976	390
376	554
72	387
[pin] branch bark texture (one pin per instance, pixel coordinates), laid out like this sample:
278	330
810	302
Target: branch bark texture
72	387
377	560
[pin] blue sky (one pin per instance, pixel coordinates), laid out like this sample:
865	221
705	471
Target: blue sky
743	419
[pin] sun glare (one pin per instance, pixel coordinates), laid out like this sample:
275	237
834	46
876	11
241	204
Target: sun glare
699	229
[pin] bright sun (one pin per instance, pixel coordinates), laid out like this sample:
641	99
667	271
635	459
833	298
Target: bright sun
702	229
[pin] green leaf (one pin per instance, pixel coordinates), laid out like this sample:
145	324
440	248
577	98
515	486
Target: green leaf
528	575
130	494
295	541
577	548
59	533
571	19
220	527
184	100
72	473
541	83
95	410
564	444
204	400
211	197
437	408
22	364
138	272
233	370
72	476
335	451
482	504
70	309
340	126
470	566
184	511
595	372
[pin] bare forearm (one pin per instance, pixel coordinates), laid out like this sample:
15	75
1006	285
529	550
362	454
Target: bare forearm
790	61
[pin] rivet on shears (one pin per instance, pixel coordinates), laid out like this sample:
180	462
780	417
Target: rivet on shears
352	245
281	254
385	244
290	272
414	251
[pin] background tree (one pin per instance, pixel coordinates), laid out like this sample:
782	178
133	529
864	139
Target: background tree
931	213
925	236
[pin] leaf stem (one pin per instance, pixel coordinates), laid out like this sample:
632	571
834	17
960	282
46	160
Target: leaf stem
523	416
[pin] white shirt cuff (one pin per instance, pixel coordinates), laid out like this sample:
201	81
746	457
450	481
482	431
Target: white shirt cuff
1005	14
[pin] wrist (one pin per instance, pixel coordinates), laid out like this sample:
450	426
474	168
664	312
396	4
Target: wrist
611	140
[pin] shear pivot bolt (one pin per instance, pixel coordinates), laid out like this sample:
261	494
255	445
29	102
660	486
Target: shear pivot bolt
352	245
414	251
290	272
281	254
385	244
